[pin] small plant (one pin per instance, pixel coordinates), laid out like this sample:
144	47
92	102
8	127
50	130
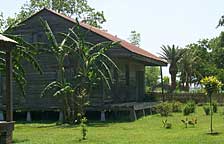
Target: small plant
189	108
84	128
215	106
177	106
187	122
166	124
164	109
206	109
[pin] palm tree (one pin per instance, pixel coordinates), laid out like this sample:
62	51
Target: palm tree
172	54
187	68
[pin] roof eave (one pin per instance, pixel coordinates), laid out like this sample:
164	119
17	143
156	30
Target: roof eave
149	61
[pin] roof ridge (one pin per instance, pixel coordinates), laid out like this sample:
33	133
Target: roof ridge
127	45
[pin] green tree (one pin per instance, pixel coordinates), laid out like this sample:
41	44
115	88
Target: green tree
2	22
166	80
166	83
217	50
211	85
135	38
221	21
172	54
72	8
217	55
203	64
151	78
187	68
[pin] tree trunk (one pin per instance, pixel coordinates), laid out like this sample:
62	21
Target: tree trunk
62	80
187	86
211	113
173	82
173	72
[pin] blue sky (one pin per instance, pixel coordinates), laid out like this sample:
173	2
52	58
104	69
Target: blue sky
158	21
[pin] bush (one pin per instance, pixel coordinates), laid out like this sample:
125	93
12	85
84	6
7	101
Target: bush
186	110
206	109
166	124
84	128
177	106
215	106
164	108
189	108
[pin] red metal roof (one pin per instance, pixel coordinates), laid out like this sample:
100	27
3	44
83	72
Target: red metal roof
105	34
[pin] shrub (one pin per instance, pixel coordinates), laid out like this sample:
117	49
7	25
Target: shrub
177	106
84	128
206	109
189	107
215	106
187	122
186	110
164	108
166	124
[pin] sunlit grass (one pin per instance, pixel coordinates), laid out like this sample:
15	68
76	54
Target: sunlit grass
143	131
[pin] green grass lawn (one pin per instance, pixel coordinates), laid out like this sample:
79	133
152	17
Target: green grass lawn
147	130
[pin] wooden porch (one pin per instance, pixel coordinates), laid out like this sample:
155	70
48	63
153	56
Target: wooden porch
131	107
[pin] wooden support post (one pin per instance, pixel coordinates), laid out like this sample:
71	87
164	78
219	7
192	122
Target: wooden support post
150	111
133	116
103	117
28	117
162	85
6	128
61	117
115	115
9	99
1	116
143	112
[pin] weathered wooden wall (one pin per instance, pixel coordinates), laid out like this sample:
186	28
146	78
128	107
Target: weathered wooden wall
127	86
32	31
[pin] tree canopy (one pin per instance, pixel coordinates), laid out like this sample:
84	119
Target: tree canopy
73	8
152	75
135	38
172	54
202	58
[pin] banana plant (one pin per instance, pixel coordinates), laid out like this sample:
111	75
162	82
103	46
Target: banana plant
93	66
60	51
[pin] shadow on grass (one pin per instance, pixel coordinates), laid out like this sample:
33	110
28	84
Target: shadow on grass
38	124
89	124
213	133
35	122
15	141
54	124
